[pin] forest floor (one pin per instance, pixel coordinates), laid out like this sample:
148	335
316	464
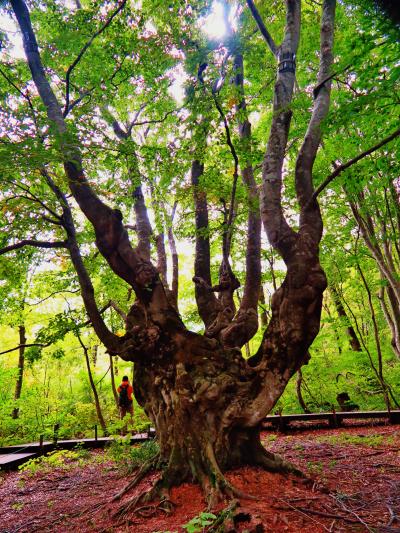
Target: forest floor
353	485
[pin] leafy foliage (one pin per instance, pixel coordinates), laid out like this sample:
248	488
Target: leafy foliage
141	72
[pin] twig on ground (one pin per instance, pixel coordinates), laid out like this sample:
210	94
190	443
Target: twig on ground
304	512
393	516
348	510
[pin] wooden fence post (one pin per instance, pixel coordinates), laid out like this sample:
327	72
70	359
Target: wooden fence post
55	434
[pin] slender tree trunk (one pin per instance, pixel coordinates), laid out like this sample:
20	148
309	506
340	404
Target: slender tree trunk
93	387
379	371
95	349
175	267
245	322
353	340
113	387
367	228
392	316
207	303
299	382
161	258
21	366
263	313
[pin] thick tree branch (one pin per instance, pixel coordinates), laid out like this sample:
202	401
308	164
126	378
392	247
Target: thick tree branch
33	242
245	323
279	233
206	302
175	258
339	169
253	246
228	229
111	237
144	230
111	341
143	226
228	283
264	32
161	257
82	52
310	219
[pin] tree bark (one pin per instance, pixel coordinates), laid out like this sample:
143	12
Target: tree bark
161	258
245	323
21	367
143	227
175	266
206	300
204	399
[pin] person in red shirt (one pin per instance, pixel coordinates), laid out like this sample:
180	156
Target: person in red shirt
125	401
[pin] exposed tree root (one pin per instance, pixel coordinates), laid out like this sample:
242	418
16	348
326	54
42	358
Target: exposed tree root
230	518
274	462
159	490
144	469
202	467
220	489
277	464
213	481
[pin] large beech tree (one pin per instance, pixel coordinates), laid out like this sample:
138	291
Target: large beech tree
205	400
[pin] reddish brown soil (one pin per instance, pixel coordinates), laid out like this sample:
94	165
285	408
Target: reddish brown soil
353	485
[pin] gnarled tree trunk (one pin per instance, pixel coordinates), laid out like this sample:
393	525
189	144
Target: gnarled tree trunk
204	399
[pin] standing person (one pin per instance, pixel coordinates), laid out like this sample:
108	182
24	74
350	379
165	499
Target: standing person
125	400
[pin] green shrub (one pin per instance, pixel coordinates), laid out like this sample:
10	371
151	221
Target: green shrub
199	522
56	459
129	457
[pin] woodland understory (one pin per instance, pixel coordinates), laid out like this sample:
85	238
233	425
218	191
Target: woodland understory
105	171
335	496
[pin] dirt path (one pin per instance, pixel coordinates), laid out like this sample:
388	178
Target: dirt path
354	485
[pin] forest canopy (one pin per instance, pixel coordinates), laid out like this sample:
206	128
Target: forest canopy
194	192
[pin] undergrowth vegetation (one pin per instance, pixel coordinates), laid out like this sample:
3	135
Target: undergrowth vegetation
127	457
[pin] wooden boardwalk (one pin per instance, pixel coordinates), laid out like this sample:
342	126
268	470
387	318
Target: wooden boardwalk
13	456
10	461
334	418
